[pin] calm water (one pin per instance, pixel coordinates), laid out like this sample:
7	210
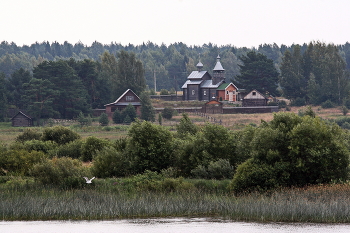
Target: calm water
178	225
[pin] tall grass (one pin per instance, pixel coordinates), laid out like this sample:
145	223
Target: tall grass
116	198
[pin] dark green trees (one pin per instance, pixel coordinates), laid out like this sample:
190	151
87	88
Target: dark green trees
147	110
258	72
293	151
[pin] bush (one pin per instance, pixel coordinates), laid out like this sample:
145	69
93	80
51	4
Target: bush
44	146
90	146
109	162
298	102
63	172
164	92
117	117
19	162
27	135
71	149
282	104
59	134
167	113
220	169
344	110
328	104
103	120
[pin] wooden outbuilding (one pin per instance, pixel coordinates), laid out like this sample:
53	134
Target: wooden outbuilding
254	98
213	107
21	120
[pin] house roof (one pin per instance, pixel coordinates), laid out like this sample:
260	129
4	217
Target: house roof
120	97
225	85
197	74
258	96
189	82
20	112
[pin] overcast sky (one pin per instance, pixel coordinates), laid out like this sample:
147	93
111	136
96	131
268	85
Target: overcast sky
194	22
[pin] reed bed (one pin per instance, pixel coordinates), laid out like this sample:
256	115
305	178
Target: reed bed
326	204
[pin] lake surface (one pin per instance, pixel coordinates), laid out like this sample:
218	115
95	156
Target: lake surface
173	225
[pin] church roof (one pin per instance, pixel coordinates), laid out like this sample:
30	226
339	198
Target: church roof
209	84
192	82
218	66
197	75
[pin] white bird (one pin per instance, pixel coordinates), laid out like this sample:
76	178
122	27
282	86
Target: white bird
88	181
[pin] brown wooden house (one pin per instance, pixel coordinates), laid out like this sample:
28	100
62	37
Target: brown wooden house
254	98
128	97
21	120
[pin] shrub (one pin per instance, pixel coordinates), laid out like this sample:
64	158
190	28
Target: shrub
37	145
164	92
298	102
19	162
282	104
64	172
27	135
167	113
103	120
59	134
90	146
71	149
220	169
328	104
117	117
110	162
344	110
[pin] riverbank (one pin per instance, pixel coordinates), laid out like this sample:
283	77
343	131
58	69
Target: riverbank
111	199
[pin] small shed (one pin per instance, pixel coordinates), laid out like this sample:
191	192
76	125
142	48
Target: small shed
254	98
21	120
213	107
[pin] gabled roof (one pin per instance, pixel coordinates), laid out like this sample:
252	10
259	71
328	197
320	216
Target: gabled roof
197	74
20	112
258	96
225	85
126	92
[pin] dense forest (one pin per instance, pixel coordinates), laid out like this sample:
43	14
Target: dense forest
60	80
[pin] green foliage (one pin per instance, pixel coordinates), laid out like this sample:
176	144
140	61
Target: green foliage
63	172
147	110
103	120
71	149
307	112
90	146
167	113
344	110
282	104
220	169
37	145
186	127
258	72
19	162
130	113
110	162
59	134
84	121
27	135
150	146
160	119
293	151
164	92
117	117
299	101
328	104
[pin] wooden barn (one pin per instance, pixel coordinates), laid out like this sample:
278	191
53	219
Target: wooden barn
128	97
21	120
254	98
